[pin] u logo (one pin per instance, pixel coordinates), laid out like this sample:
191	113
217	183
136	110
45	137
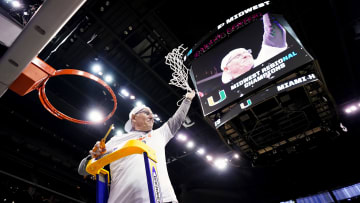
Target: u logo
242	105
222	98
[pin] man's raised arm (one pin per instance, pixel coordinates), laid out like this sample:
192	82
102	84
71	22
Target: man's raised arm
274	33
178	118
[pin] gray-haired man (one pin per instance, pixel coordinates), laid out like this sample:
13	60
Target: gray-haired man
128	180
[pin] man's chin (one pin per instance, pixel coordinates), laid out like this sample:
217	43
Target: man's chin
149	128
245	70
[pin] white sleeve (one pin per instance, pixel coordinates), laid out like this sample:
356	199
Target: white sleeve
165	133
267	52
179	116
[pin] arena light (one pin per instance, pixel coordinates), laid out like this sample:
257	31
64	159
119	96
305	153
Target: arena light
209	157
181	137
156	117
347	110
124	92
95	116
351	109
190	144
201	151
15	4
236	156
119	132
220	164
108	78
139	103
96	68
132	97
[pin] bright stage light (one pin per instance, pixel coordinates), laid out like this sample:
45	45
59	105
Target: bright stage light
236	156
156	117
347	110
190	144
119	132
220	164
124	92
353	108
16	4
96	68
139	103
201	151
181	137
108	78
132	97
209	158
95	116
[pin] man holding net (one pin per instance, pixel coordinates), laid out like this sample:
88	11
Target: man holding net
240	60
127	174
128	180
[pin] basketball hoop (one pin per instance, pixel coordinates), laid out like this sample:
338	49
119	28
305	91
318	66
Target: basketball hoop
36	75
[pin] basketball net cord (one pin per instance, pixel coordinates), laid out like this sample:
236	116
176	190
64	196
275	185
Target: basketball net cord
175	59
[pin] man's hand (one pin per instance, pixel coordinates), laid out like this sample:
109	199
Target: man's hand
274	33
97	150
190	95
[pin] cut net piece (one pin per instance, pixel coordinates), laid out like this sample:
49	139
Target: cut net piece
175	59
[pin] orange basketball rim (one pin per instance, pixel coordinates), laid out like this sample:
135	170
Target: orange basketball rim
36	75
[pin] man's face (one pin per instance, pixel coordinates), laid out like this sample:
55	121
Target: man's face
239	63
143	120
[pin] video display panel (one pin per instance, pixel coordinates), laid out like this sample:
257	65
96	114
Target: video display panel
246	60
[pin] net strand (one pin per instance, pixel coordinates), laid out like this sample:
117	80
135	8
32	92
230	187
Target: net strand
180	72
175	59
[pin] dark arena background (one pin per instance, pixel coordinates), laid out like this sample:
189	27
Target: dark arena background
285	131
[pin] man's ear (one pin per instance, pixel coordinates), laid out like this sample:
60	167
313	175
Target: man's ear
133	118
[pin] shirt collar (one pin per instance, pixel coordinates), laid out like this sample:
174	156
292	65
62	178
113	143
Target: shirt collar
137	131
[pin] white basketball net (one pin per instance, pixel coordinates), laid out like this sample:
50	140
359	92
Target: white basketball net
175	59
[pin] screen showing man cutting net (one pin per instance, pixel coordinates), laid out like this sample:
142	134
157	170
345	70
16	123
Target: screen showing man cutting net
245	60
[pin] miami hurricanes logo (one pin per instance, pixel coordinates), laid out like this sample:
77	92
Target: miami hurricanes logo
242	105
222	98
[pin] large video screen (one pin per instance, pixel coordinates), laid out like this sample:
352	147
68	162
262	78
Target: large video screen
246	60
